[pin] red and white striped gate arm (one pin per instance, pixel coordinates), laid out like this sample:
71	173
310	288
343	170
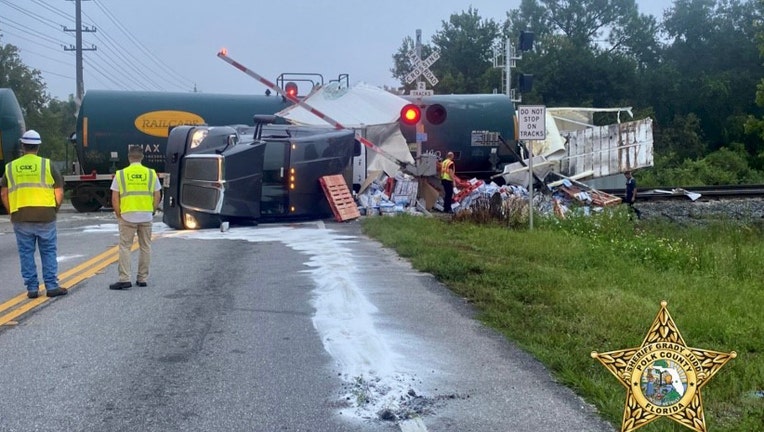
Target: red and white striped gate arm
223	54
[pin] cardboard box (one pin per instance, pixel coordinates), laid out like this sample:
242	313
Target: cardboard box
428	194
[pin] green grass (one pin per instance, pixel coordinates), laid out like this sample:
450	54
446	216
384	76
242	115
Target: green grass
567	288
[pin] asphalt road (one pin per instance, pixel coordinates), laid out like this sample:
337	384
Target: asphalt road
303	327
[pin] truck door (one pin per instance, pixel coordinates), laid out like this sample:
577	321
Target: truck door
275	195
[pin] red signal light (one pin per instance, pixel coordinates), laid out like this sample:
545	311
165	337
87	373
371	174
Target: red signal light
411	114
291	89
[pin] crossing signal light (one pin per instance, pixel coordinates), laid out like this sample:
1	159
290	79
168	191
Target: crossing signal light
436	114
526	41
524	83
291	89
411	114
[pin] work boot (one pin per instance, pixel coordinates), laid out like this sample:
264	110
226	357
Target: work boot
33	294
56	292
120	285
141	283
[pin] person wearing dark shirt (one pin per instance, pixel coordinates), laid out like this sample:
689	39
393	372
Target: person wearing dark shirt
631	193
32	191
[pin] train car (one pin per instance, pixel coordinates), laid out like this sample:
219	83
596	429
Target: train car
11	127
470	125
245	174
110	121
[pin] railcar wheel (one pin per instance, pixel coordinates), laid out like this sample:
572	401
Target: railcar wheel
88	198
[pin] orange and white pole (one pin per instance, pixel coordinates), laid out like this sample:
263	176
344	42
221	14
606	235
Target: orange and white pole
223	54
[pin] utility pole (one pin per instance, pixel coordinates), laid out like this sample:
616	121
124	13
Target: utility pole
78	48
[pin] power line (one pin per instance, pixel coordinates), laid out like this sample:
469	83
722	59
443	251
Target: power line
106	76
120	65
26	50
109	42
31	14
107	61
56	74
20	36
28	30
59	12
139	44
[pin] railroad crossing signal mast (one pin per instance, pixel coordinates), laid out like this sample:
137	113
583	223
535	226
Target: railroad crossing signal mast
510	57
421	68
530	118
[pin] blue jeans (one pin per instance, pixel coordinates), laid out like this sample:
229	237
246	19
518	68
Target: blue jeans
30	236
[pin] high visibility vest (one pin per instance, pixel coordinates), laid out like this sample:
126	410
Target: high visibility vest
136	188
30	182
444	169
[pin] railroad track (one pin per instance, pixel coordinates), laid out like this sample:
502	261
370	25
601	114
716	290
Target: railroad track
706	192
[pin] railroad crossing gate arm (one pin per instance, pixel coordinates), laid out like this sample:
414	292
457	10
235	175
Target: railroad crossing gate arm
223	54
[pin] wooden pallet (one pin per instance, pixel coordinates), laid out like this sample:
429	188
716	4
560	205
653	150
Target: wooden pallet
339	197
598	198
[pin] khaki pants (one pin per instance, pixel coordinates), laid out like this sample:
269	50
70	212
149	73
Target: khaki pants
127	232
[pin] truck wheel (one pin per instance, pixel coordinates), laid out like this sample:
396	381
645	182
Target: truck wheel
85	198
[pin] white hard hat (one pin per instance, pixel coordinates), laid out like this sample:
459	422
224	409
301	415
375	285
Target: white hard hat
31	137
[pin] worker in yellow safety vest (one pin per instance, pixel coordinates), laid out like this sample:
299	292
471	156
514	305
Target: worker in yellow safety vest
32	190
135	197
447	174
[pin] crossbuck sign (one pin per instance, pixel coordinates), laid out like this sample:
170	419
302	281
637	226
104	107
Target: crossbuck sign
422	67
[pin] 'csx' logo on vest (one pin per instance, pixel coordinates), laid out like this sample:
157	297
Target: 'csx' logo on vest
137	176
25	168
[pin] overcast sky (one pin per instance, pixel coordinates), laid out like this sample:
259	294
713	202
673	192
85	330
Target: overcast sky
169	45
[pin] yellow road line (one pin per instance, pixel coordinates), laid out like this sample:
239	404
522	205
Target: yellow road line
71	277
12	302
111	251
33	303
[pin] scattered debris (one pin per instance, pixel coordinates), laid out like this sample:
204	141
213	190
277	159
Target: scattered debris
679	191
372	397
387	196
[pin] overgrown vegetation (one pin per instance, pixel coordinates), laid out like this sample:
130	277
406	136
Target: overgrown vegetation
52	118
570	287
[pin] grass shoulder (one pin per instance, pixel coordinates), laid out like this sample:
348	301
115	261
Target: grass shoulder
570	287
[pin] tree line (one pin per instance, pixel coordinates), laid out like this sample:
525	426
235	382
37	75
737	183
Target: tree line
698	71
52	118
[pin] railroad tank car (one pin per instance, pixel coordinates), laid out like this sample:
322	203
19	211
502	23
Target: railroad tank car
110	121
12	126
471	126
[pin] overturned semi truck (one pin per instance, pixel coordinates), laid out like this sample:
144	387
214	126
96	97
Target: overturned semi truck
248	174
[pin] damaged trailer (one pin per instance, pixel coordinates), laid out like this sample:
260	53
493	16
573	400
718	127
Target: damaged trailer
580	150
244	174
